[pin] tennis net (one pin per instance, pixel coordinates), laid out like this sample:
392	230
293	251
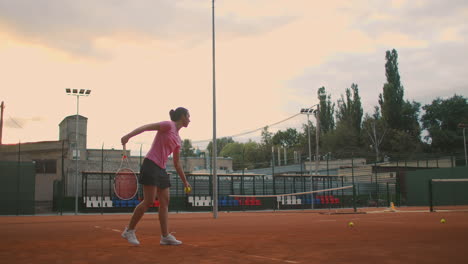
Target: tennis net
324	198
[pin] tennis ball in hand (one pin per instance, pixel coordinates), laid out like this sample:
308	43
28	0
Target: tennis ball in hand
187	189
350	224
442	221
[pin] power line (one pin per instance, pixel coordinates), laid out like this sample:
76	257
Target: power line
251	131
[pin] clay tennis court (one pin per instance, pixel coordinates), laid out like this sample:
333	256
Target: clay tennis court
249	237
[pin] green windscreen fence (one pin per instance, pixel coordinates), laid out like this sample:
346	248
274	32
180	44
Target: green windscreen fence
17	188
444	193
448	194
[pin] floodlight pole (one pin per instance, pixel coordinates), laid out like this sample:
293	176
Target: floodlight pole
464	144
310	147
76	153
214	152
317	136
77	93
464	126
308	111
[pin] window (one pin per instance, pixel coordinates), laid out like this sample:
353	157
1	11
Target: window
46	166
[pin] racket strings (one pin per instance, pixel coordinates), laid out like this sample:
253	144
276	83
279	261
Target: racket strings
125	184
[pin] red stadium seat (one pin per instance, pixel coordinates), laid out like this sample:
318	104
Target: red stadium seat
258	202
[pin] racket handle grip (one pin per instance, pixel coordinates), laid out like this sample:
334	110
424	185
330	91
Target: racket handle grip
124	153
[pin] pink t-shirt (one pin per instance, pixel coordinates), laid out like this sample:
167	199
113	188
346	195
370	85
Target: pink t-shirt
167	140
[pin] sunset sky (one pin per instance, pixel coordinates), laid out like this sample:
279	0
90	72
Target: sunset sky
143	58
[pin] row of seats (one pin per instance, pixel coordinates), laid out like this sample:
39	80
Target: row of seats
96	198
308	199
96	201
239	201
125	203
200	200
97	204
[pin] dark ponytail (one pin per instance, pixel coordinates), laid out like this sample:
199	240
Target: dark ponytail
178	113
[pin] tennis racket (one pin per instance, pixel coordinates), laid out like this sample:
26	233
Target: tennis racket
125	180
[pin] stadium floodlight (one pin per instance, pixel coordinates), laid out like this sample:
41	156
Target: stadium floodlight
307	110
74	92
464	126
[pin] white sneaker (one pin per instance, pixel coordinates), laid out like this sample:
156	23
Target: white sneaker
169	240
130	236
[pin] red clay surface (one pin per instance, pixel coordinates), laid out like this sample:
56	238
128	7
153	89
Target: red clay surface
249	237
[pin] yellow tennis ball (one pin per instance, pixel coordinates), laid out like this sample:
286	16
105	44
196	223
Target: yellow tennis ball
442	221
187	189
350	224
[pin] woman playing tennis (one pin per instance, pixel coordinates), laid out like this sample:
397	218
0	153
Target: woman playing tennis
153	175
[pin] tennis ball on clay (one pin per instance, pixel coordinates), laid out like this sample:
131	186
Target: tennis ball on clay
350	224
187	189
442	221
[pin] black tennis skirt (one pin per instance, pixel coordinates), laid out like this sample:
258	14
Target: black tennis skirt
152	174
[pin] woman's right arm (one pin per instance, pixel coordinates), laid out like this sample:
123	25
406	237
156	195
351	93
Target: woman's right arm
149	127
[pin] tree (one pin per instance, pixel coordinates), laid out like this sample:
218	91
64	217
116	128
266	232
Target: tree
400	117
266	136
288	138
410	119
391	101
233	150
220	144
441	119
327	109
244	155
187	150
374	130
349	114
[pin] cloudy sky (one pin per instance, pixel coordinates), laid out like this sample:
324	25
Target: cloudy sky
143	58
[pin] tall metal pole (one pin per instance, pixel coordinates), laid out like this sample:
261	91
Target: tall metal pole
1	121
215	154
76	153
310	162
310	147
317	135
464	144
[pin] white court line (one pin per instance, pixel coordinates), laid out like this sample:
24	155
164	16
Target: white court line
248	255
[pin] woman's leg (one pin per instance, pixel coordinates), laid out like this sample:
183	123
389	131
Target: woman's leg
149	193
163	197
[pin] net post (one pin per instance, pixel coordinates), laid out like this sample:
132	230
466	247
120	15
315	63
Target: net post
354	186
431	206
388	196
102	180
